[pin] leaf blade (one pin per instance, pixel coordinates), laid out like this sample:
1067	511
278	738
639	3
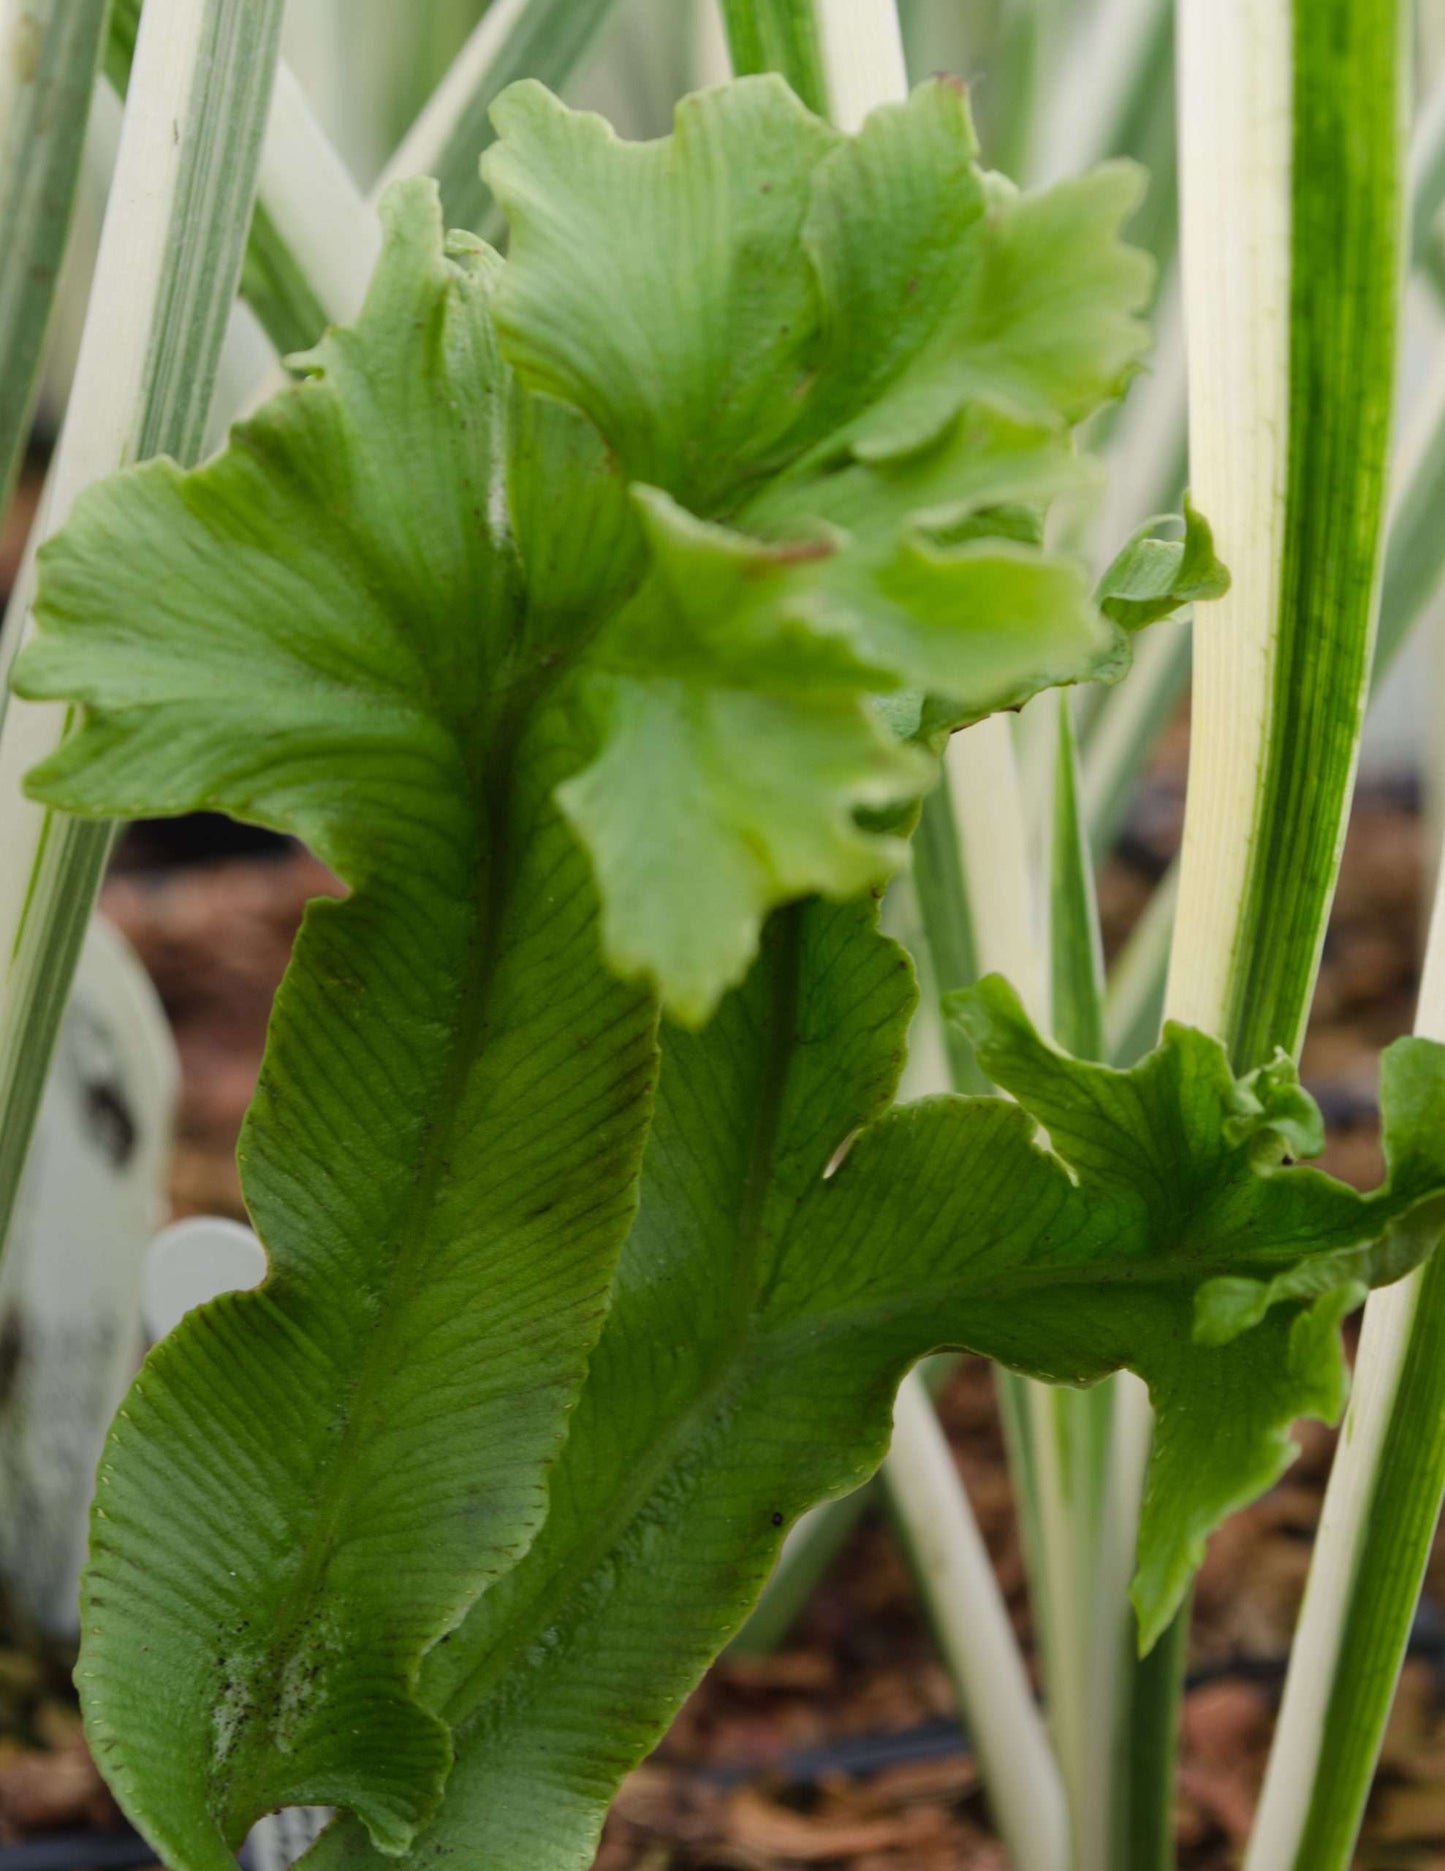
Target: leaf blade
726	306
771	1296
442	1155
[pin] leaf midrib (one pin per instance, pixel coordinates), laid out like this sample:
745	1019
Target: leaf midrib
1152	1275
491	767
467	1701
780	1012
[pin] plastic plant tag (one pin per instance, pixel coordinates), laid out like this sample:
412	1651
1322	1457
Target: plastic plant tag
277	1841
195	1260
70	1326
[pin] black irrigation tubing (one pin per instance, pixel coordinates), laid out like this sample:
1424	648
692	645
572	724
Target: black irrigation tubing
88	1851
859	1755
1345	1107
854	1756
195	838
79	1851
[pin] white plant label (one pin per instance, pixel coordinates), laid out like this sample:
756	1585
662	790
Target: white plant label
195	1260
70	1281
277	1841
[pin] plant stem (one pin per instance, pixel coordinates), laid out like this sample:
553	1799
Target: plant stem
1075	951
1416	556
1031	31
948	925
1156	1682
327	237
1084	1420
954	1571
49	51
165	279
863	60
1377	1527
1381	1510
808	1552
1113	54
1110	1781
1146	462
1292	372
987	802
542	39
1291	189
1134	1003
1414	563
1427	188
315	235
1149	442
1146	453
778	35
